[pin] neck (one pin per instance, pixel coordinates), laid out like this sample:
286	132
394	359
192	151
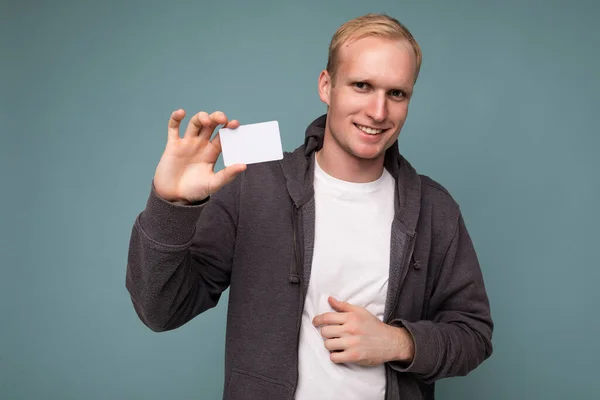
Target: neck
341	165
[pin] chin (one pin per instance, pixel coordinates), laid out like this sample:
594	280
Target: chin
367	154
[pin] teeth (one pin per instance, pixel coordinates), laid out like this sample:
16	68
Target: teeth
368	130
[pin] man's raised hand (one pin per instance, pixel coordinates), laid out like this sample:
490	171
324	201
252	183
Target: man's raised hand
185	173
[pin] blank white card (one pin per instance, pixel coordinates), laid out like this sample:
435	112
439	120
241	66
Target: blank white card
252	143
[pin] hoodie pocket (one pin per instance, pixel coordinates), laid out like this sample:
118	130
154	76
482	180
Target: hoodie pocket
245	385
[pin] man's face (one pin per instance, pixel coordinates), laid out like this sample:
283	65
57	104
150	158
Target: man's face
368	102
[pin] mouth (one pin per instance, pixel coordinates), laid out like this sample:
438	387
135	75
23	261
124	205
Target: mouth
369	130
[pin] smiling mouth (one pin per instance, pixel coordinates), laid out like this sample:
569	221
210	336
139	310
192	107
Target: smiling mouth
368	130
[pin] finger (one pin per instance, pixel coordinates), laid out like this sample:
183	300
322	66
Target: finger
330	318
340	306
234	124
332	331
343	357
219	118
197	124
174	122
216	118
216	142
335	344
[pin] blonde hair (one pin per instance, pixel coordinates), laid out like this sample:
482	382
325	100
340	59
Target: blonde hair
379	25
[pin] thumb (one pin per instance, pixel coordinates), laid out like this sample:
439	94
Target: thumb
339	306
228	174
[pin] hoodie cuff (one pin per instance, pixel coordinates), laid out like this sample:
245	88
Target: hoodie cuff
427	352
169	223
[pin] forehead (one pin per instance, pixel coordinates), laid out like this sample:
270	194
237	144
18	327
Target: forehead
390	61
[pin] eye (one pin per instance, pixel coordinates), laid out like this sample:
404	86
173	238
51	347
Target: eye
399	94
361	85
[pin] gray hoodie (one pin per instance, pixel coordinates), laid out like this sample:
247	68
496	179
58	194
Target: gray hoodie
256	237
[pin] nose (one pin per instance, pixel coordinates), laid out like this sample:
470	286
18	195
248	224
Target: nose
377	108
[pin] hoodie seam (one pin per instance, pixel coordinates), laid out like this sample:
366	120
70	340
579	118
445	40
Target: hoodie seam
159	246
448	246
434	185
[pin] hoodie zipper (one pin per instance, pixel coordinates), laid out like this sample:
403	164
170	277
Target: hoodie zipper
296	278
406	264
295	267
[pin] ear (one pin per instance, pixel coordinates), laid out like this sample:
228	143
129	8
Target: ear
325	86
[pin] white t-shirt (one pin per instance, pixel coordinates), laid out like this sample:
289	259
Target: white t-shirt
351	262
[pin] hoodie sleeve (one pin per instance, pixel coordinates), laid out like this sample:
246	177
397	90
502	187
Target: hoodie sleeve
180	258
456	337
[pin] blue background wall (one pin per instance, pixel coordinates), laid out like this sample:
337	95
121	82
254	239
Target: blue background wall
505	116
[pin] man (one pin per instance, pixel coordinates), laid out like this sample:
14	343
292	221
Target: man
350	275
